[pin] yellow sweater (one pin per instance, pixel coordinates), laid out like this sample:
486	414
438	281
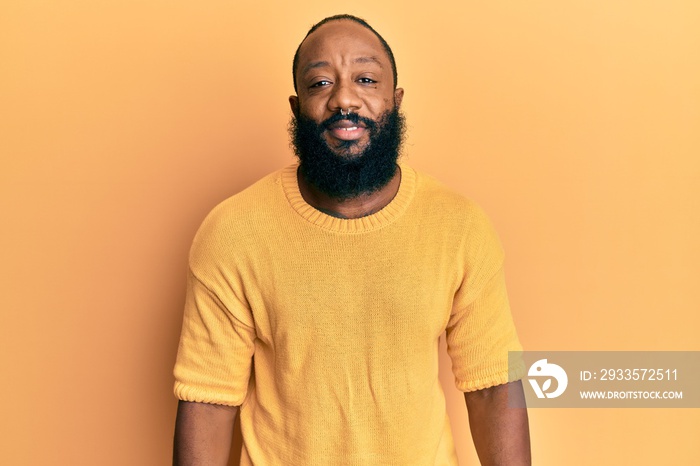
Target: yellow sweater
326	330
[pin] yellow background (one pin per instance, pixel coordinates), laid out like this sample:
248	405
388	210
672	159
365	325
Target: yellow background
575	124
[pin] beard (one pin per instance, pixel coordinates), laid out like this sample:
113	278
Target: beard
348	171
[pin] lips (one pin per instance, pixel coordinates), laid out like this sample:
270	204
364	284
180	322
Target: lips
347	130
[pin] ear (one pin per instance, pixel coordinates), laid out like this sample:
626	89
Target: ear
398	96
294	104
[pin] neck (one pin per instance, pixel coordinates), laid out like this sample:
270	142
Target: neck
356	207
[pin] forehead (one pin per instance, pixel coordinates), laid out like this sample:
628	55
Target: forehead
341	41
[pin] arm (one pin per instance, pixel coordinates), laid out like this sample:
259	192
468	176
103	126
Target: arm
501	433
203	434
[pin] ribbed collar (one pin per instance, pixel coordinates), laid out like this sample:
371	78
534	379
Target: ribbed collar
377	220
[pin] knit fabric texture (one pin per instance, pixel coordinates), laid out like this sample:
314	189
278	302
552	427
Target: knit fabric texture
325	330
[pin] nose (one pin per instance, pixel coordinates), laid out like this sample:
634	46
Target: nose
344	96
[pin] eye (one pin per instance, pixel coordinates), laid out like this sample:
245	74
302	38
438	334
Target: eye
320	83
367	81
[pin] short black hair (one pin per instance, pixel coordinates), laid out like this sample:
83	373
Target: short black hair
357	20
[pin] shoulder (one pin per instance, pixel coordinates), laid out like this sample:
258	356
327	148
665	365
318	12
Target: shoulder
452	218
238	220
246	207
248	202
434	199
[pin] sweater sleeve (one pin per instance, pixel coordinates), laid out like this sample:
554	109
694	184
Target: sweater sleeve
480	330
216	348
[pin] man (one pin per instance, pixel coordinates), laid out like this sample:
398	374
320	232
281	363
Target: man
316	297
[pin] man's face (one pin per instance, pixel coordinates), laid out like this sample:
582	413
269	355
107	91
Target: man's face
343	66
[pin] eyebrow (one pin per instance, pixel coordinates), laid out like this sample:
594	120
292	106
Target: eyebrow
368	60
321	64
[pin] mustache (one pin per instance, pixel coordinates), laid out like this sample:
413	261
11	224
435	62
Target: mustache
353	117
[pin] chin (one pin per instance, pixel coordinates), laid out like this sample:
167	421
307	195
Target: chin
348	149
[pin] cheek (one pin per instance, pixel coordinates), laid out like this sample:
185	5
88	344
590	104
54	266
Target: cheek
312	112
312	104
387	100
